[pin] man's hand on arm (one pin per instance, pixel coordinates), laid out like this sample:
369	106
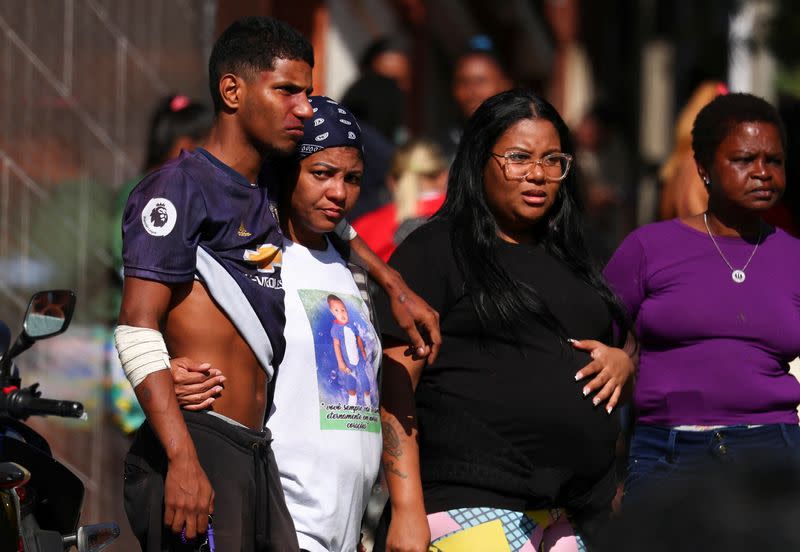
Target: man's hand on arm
411	312
188	494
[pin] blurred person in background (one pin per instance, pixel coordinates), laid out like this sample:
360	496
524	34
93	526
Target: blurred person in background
388	57
605	178
417	182
507	441
570	86
378	96
378	100
716	299
682	190
478	74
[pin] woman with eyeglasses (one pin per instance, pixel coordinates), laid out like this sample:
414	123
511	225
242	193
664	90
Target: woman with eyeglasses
507	441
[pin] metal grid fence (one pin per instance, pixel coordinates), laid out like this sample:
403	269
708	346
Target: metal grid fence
78	79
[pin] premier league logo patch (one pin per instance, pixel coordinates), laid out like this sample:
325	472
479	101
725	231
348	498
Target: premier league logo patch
159	216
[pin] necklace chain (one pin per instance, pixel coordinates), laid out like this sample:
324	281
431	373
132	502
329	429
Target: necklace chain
710	235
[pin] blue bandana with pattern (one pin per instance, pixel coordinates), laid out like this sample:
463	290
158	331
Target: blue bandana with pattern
331	126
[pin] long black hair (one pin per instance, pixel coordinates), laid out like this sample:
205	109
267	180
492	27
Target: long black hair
496	296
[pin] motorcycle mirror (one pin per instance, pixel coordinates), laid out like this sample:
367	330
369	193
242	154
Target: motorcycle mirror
93	538
49	313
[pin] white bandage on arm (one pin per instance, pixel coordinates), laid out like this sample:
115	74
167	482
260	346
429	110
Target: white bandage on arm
345	231
142	351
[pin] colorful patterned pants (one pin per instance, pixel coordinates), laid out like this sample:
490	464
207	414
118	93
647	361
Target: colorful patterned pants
490	529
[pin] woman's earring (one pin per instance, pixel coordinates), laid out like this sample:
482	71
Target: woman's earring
707	182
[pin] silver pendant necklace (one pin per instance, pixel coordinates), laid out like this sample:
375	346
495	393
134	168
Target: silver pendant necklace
737	274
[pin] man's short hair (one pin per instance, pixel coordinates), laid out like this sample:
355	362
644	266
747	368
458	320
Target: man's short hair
251	45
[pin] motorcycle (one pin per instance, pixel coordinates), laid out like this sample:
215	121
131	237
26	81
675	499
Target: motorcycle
40	498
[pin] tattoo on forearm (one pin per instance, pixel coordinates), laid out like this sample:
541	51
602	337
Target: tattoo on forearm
389	467
391	441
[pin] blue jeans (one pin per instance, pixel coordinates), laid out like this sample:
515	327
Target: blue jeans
660	455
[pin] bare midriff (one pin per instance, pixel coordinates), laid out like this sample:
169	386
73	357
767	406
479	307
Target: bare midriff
198	329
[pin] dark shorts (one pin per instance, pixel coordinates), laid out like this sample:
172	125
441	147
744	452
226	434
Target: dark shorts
250	513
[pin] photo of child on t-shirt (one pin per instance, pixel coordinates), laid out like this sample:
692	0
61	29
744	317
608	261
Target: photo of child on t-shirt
346	359
351	356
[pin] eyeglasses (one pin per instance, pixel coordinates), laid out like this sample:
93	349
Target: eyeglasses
518	165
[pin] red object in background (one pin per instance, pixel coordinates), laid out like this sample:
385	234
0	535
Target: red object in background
179	103
377	228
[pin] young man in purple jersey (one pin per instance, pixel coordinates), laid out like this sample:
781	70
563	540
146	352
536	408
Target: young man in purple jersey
202	258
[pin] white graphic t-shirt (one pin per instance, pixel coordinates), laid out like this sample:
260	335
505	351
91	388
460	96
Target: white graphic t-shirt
324	419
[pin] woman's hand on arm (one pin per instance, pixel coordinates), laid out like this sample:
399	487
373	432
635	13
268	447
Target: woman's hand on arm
197	385
410	311
613	371
408	530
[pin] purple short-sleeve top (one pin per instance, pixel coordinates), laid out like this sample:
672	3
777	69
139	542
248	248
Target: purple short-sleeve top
713	351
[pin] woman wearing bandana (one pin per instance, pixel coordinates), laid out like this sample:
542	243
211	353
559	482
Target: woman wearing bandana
327	440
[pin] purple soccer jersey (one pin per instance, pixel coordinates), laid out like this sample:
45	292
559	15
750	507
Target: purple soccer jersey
197	218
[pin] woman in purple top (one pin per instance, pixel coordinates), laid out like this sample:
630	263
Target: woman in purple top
716	301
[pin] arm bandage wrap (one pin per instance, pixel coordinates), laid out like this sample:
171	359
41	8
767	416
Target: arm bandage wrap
345	231
142	351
